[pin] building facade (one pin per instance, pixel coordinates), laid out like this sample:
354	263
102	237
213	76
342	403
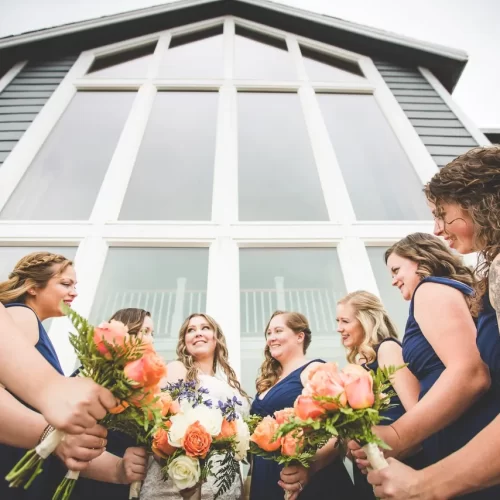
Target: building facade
232	157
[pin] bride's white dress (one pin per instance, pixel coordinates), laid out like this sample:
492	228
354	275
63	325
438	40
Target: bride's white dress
155	488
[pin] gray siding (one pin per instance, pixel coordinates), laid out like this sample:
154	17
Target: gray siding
440	130
25	96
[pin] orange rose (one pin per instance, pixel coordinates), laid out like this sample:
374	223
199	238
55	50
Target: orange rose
263	434
146	371
196	441
145	396
161	446
114	334
119	408
292	443
358	384
166	403
282	416
228	429
326	381
306	407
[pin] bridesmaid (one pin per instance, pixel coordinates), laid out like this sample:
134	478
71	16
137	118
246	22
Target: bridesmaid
464	197
281	380
371	340
33	292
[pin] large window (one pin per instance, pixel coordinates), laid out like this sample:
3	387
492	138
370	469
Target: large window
171	283
305	280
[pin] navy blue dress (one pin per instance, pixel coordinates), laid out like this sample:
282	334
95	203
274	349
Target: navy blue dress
331	482
42	487
364	491
488	339
427	367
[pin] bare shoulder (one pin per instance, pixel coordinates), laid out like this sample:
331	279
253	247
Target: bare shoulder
390	353
435	295
494	283
175	371
304	376
26	320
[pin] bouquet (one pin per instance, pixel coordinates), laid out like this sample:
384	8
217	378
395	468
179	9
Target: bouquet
124	364
198	434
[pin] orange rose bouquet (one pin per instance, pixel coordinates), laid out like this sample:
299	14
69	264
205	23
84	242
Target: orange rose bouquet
126	365
194	435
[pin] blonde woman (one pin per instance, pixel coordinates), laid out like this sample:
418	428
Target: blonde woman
203	358
371	340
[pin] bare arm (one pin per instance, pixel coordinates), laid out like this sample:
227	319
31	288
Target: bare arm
404	382
444	319
175	371
494	284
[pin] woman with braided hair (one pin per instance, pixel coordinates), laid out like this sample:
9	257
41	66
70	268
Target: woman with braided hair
464	197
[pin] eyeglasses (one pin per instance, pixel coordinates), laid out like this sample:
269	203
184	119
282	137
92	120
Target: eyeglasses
441	223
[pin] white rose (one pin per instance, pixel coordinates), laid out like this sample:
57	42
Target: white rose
180	423
210	418
184	472
242	439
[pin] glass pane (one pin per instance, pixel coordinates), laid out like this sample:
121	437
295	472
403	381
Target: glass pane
261	57
196	55
170	283
306	280
396	306
10	256
173	175
373	163
64	179
324	68
129	64
277	175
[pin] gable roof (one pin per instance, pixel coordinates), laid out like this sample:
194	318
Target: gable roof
445	62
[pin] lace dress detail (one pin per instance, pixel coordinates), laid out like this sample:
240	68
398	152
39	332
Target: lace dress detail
155	488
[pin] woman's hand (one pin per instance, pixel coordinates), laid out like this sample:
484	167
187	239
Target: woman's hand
78	451
132	467
294	479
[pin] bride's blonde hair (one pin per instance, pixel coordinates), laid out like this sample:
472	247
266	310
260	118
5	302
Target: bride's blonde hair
220	355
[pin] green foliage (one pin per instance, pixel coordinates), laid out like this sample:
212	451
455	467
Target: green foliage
228	471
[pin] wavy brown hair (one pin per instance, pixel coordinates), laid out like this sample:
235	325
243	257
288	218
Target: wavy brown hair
376	324
271	368
221	354
472	181
434	258
132	318
32	271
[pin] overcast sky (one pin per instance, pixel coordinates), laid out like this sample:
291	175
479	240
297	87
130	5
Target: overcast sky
473	26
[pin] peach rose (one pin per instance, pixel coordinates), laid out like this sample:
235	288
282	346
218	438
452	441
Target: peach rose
282	416
326	381
147	370
228	429
145	396
306	407
292	443
263	434
161	446
196	441
175	408
358	384
165	403
114	333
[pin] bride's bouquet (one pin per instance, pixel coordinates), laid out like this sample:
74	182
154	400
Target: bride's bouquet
198	434
126	365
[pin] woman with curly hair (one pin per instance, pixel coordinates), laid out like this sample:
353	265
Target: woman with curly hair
464	197
203	358
283	375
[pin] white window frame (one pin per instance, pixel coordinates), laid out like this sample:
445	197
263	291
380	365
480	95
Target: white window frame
224	235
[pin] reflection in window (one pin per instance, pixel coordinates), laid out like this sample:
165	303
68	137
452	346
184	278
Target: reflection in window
64	179
322	67
10	256
261	57
277	174
195	55
131	63
393	301
170	283
373	163
306	280
173	175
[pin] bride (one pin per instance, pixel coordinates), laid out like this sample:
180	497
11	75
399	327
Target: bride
202	357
